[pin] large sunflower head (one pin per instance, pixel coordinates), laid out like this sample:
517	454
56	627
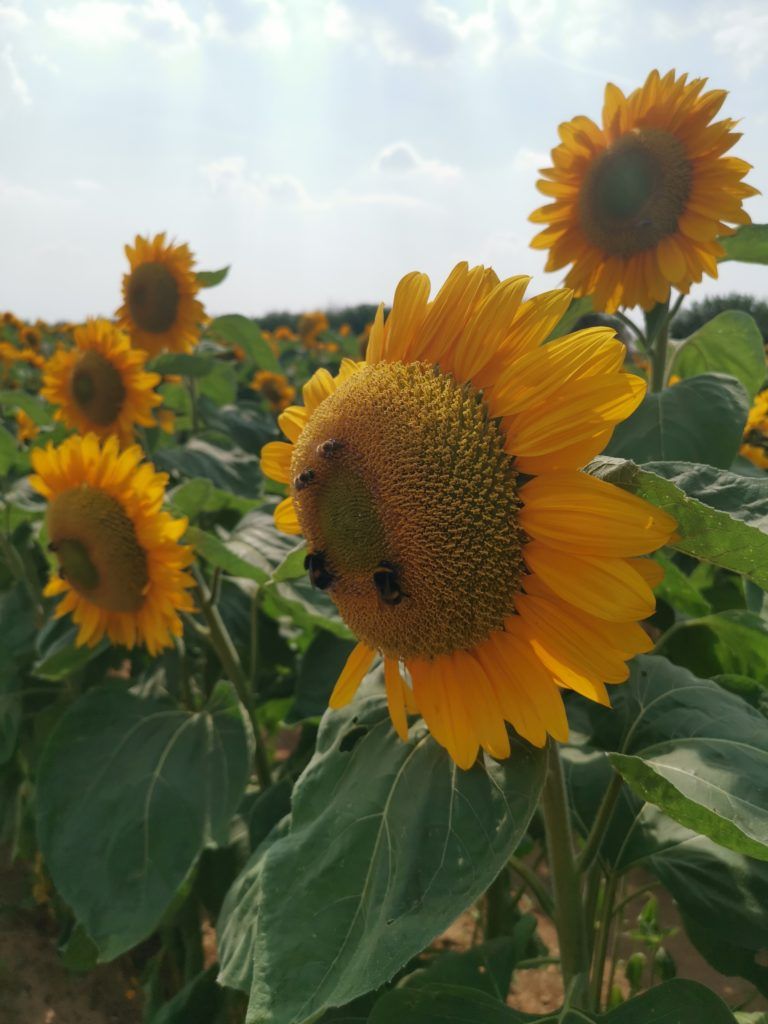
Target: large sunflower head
159	308
101	385
122	571
438	486
638	203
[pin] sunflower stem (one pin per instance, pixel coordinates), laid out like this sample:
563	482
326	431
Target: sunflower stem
602	818
225	651
569	911
657	330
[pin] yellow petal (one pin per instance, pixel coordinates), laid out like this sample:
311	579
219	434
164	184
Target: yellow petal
286	519
358	663
575	413
319	387
609	588
395	686
409	308
579	513
375	346
292	421
489	325
276	461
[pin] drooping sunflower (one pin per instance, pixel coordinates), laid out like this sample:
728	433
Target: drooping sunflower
275	387
638	203
159	308
122	569
101	385
438	486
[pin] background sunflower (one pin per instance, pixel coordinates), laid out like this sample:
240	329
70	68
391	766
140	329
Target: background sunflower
160	311
640	202
100	384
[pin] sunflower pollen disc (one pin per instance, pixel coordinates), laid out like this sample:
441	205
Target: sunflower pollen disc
97	388
635	192
420	496
97	548
153	297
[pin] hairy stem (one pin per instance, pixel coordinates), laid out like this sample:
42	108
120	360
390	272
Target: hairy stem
569	911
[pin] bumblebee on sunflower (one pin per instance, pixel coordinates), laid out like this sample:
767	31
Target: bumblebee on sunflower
439	488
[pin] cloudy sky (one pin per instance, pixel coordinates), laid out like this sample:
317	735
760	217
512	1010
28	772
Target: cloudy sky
322	147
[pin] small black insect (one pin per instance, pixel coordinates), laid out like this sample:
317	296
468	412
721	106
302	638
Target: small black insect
304	479
318	573
387	582
330	448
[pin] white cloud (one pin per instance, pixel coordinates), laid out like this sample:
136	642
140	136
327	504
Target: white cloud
87	185
741	33
19	87
410	31
401	158
256	24
528	161
230	176
12	17
161	23
574	28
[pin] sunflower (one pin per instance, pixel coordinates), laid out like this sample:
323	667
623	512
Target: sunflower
639	203
438	486
755	446
101	385
26	428
159	308
276	388
122	570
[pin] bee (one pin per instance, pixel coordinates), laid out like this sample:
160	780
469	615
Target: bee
304	479
318	573
330	448
387	582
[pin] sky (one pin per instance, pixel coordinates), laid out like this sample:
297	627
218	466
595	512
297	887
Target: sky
323	148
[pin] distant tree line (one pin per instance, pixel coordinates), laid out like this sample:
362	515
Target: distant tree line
356	316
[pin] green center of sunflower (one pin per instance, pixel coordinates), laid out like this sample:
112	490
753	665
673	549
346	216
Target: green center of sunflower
96	545
153	297
635	191
408	503
97	388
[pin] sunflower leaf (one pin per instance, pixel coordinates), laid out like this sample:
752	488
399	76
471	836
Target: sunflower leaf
387	844
748	244
210	278
722	517
684	1002
129	792
730	342
239	331
699	420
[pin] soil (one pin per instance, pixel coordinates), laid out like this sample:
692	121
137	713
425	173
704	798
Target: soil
35	987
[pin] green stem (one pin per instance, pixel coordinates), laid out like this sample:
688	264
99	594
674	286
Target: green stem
659	372
569	912
534	883
638	333
225	650
601	943
192	388
602	818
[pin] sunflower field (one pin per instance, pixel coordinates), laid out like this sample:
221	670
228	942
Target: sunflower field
319	639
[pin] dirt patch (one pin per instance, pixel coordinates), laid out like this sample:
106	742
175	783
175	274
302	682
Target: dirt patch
35	988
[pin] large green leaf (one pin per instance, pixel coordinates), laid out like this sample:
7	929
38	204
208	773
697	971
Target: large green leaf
749	244
130	790
320	667
722	517
244	333
676	1002
257	540
232	470
693	749
10	712
388	843
729	343
184	363
199	1002
732	642
698	420
217	552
